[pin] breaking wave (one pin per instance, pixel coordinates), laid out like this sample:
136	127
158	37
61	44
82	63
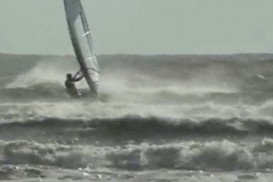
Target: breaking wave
220	156
158	79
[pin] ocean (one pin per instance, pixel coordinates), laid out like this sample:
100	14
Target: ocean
161	118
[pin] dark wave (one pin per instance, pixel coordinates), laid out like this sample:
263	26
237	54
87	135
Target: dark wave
133	128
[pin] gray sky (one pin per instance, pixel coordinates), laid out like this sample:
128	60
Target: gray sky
141	26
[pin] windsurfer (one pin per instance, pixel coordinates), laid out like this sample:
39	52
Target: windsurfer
70	84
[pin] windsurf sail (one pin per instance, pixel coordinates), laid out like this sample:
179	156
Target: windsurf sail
82	43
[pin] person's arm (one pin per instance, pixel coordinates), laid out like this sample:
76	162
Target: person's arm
78	76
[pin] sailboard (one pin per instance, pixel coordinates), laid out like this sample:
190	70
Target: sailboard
81	38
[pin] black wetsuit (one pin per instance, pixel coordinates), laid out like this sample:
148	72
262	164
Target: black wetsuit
71	87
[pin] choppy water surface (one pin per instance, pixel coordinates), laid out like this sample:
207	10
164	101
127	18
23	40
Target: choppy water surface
162	117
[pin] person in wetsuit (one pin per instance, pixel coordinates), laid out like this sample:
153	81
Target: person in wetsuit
70	84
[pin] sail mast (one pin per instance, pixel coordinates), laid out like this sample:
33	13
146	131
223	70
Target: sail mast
82	43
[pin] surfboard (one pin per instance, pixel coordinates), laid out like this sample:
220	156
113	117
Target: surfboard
81	39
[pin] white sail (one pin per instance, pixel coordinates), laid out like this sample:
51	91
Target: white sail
82	42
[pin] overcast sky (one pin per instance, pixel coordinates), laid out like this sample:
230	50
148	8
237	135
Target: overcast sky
141	26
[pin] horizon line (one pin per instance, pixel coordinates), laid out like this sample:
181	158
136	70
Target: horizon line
177	54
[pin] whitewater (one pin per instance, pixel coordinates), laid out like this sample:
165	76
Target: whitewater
161	118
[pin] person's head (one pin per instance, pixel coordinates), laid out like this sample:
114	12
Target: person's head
69	76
